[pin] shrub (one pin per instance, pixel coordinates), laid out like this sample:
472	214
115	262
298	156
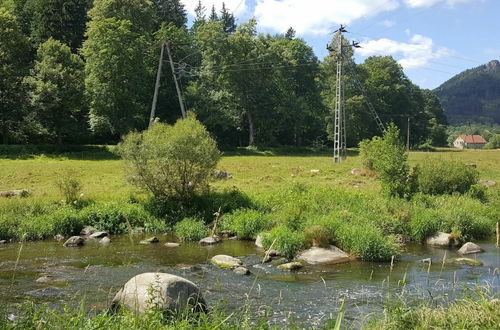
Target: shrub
116	218
70	186
190	229
478	191
246	223
387	156
317	236
424	223
171	161
446	177
285	240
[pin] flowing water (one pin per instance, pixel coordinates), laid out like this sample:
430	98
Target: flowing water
311	295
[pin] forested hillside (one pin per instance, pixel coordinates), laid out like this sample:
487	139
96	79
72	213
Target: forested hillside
473	95
84	72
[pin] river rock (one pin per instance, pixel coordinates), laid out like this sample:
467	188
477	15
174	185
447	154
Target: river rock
317	255
464	261
258	241
58	237
74	241
226	261
166	292
98	234
48	279
149	240
228	234
426	261
211	240
3	241
469	248
105	241
279	261
88	230
441	239
171	244
241	271
290	266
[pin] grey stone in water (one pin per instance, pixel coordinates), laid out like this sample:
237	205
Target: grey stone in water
48	279
58	237
98	234
105	241
211	240
441	239
74	241
45	292
317	255
166	292
3	242
226	261
426	261
469	248
227	234
290	266
149	240
88	230
222	175
279	261
241	271
171	244
258	241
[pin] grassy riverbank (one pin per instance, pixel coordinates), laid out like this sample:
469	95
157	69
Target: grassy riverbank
298	197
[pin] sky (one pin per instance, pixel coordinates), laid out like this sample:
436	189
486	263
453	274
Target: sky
433	40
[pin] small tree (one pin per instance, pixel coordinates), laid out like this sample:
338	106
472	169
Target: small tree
171	161
387	156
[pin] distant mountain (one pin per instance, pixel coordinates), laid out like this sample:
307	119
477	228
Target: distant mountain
473	95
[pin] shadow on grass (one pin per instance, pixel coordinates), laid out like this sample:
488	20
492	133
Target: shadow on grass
285	151
74	152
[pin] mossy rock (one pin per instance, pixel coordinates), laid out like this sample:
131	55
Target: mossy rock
464	261
291	266
225	261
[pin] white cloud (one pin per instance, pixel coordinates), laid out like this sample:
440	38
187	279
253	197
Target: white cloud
429	3
416	53
316	17
238	7
387	23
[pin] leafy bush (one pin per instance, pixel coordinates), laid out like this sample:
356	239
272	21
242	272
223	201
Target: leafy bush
190	229
246	223
387	156
446	177
285	240
70	186
116	218
424	223
171	161
317	236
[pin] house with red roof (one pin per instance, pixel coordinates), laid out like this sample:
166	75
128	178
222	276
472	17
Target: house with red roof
469	142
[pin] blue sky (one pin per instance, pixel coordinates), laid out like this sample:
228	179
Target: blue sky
432	39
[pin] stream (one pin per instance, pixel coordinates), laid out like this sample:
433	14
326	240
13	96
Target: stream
310	295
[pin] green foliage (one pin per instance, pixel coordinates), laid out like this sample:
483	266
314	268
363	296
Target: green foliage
317	235
387	156
65	221
170	11
246	223
493	142
446	177
56	85
190	229
424	223
70	186
285	240
171	161
118	218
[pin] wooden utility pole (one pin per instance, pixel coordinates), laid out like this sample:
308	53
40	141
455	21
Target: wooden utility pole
157	86
179	95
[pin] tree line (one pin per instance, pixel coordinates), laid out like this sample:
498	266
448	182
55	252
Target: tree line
76	71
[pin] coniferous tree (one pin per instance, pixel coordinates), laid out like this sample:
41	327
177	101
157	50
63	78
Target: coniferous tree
290	33
199	16
213	14
228	21
170	11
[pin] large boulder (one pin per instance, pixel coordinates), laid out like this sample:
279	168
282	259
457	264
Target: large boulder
317	255
290	266
226	261
469	248
162	291
442	240
74	241
258	241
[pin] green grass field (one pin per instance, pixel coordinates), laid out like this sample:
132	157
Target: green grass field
103	177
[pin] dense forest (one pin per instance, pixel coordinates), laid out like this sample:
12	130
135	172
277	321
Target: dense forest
77	71
473	95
